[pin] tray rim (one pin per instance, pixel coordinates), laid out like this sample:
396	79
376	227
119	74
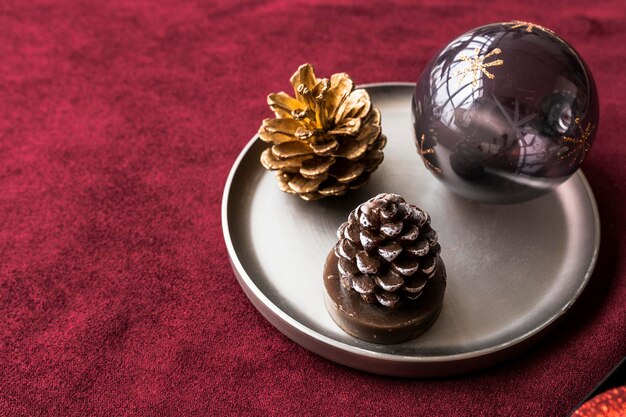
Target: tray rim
293	329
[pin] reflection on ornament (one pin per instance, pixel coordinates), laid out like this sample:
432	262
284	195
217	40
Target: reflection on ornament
516	123
428	151
533	154
529	26
477	65
559	109
532	149
578	146
468	157
490	148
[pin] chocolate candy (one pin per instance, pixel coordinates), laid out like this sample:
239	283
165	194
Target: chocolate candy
374	322
384	278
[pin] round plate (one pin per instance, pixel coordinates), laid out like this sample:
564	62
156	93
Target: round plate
513	270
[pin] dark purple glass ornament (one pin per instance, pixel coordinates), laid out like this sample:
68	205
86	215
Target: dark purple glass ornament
505	113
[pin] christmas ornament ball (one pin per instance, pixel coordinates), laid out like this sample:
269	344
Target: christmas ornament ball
505	112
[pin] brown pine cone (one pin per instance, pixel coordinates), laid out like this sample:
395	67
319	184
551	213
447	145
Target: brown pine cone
325	141
387	251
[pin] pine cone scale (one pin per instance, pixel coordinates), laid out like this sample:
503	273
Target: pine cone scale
349	127
405	266
347	268
283	182
391	229
351	150
346	172
345	249
357	104
369	134
269	161
333	189
303	185
410	234
373	117
390	282
290	149
352	232
390	251
372	160
274	137
366	263
369	240
284	125
363	284
360	181
420	248
380	143
428	267
304	76
325	148
340	87
387	299
282	104
414	285
315	167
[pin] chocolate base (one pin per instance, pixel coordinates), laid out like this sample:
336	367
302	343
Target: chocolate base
378	324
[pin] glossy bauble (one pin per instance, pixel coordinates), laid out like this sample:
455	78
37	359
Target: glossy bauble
505	112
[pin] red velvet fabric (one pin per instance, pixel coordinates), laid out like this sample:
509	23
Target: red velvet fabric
119	122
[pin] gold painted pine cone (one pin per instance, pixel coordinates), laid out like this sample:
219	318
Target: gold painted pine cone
387	251
325	141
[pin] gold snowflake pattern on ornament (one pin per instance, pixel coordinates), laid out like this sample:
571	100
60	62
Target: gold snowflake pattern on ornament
577	145
428	151
515	24
477	65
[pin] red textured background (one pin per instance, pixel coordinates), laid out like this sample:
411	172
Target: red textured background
119	122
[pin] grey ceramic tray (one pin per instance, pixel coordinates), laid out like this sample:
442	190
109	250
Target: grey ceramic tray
513	270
